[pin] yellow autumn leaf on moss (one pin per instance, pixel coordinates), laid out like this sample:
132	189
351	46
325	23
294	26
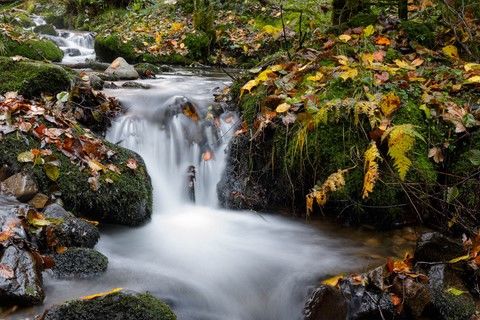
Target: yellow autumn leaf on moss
451	51
345	37
404	65
248	86
371	169
349	73
176	26
474	79
265	75
333	281
389	104
101	294
368	31
471	66
284	107
317	77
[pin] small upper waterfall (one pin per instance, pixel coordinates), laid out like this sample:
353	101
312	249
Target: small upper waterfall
77	46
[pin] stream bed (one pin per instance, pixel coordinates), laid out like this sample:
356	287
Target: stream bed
209	263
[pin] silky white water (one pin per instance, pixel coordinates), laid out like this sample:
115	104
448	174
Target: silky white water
207	263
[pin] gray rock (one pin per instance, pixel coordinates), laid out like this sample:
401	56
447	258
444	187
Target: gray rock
448	304
56	211
434	247
124	305
110	85
364	303
20	279
39	201
135	85
325	303
96	82
79	263
122	70
75	232
73	52
21	185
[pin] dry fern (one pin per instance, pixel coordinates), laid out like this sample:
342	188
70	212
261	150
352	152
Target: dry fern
319	194
371	169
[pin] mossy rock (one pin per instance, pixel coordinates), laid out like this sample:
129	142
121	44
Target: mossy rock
108	48
79	263
30	78
146	70
126	201
125	305
36	49
46	29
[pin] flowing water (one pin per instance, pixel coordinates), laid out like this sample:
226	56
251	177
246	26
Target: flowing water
77	46
207	263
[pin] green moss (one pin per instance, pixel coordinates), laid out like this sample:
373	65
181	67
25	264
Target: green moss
108	48
46	29
362	20
127	201
198	45
39	49
122	305
32	78
146	69
419	32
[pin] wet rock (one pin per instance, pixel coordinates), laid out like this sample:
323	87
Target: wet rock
79	263
5	172
20	185
110	85
75	232
46	29
416	295
366	304
20	279
238	189
96	82
376	278
433	246
450	298
325	303
147	70
39	201
165	68
135	85
56	211
122	70
73	52
125	305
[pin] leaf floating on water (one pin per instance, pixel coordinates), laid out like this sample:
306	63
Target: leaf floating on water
6	271
207	155
101	294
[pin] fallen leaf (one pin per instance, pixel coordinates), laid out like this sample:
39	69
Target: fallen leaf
284	107
101	294
132	164
6	272
451	51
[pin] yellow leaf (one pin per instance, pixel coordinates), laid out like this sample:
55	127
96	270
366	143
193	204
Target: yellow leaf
471	66
277	67
345	37
95	165
101	294
284	107
176	26
371	169
461	258
158	38
389	104
333	281
248	86
368	31
403	64
265	75
451	51
342	60
317	77
474	79
349	73
367	58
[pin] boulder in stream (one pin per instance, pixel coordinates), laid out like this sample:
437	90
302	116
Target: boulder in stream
20	277
326	303
79	263
121	70
435	247
21	185
135	85
125	305
46	29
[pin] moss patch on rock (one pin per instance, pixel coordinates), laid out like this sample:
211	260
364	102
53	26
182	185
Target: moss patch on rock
127	201
122	305
30	78
46	29
36	49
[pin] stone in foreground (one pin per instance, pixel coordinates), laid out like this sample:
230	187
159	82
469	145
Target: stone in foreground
124	305
121	70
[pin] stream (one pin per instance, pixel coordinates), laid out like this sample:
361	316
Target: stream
206	262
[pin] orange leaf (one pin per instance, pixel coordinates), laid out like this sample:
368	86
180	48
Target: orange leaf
383	41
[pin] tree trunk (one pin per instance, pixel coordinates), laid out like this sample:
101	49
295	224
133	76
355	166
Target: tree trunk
343	10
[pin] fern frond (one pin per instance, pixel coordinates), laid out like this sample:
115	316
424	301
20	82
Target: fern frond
401	139
319	194
371	169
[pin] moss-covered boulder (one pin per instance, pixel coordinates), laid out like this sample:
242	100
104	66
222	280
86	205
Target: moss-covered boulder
30	78
125	305
46	29
79	263
122	198
36	49
108	48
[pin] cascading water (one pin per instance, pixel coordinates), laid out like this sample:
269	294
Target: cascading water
207	263
77	46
